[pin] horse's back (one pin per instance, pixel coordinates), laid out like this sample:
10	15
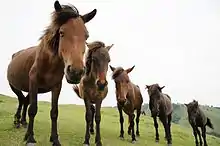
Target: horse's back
19	67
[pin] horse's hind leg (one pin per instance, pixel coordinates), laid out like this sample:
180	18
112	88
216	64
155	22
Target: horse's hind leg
137	121
20	103
164	120
169	125
92	122
24	112
204	135
195	134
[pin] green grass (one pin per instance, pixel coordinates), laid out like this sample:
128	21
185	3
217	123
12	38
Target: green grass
71	126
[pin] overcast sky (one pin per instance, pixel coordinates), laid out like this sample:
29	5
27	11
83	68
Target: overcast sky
174	43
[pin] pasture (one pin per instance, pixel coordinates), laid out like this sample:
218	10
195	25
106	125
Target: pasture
71	126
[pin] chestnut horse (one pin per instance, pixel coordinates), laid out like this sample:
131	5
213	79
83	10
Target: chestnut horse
40	69
160	106
93	86
129	99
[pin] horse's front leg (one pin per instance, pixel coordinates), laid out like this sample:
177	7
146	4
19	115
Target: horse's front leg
32	110
54	114
98	120
92	122
121	121
88	117
156	129
131	119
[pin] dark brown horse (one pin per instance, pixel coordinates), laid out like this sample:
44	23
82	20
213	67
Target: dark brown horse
41	68
93	86
197	119
160	106
129	99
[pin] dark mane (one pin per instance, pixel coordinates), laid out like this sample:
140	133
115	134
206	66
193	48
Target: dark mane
51	34
92	48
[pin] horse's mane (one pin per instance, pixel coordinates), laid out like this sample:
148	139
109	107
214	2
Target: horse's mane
51	33
92	48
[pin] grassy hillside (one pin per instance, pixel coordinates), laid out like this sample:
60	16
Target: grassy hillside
180	116
71	127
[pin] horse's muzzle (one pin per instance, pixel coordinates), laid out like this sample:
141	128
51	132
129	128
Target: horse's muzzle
101	84
74	76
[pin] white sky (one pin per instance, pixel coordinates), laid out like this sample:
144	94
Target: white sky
174	43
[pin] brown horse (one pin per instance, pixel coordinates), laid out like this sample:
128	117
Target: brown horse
41	68
197	119
129	99
93	86
160	106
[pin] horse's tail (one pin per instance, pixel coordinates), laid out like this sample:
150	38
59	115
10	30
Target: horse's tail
209	123
76	90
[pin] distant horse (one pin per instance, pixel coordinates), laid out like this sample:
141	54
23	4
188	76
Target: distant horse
129	99
40	69
160	106
197	119
93	86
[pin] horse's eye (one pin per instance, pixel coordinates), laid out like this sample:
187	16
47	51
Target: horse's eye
61	33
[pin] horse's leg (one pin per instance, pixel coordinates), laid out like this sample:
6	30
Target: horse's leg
88	117
169	125
24	112
32	110
20	103
137	121
92	122
54	115
204	135
164	120
199	134
121	121
156	129
131	119
97	121
195	133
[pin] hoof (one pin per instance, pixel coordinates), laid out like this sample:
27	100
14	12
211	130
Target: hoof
31	144
85	144
121	137
99	144
157	140
138	135
169	144
133	141
17	125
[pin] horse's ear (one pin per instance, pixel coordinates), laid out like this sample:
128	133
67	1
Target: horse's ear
112	68
109	47
87	17
57	6
186	104
147	86
130	69
196	103
162	87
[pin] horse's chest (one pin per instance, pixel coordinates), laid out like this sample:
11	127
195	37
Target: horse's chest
93	94
50	79
128	108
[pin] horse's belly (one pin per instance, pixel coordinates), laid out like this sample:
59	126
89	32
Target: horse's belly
19	67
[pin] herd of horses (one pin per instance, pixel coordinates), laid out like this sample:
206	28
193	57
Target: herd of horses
41	68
